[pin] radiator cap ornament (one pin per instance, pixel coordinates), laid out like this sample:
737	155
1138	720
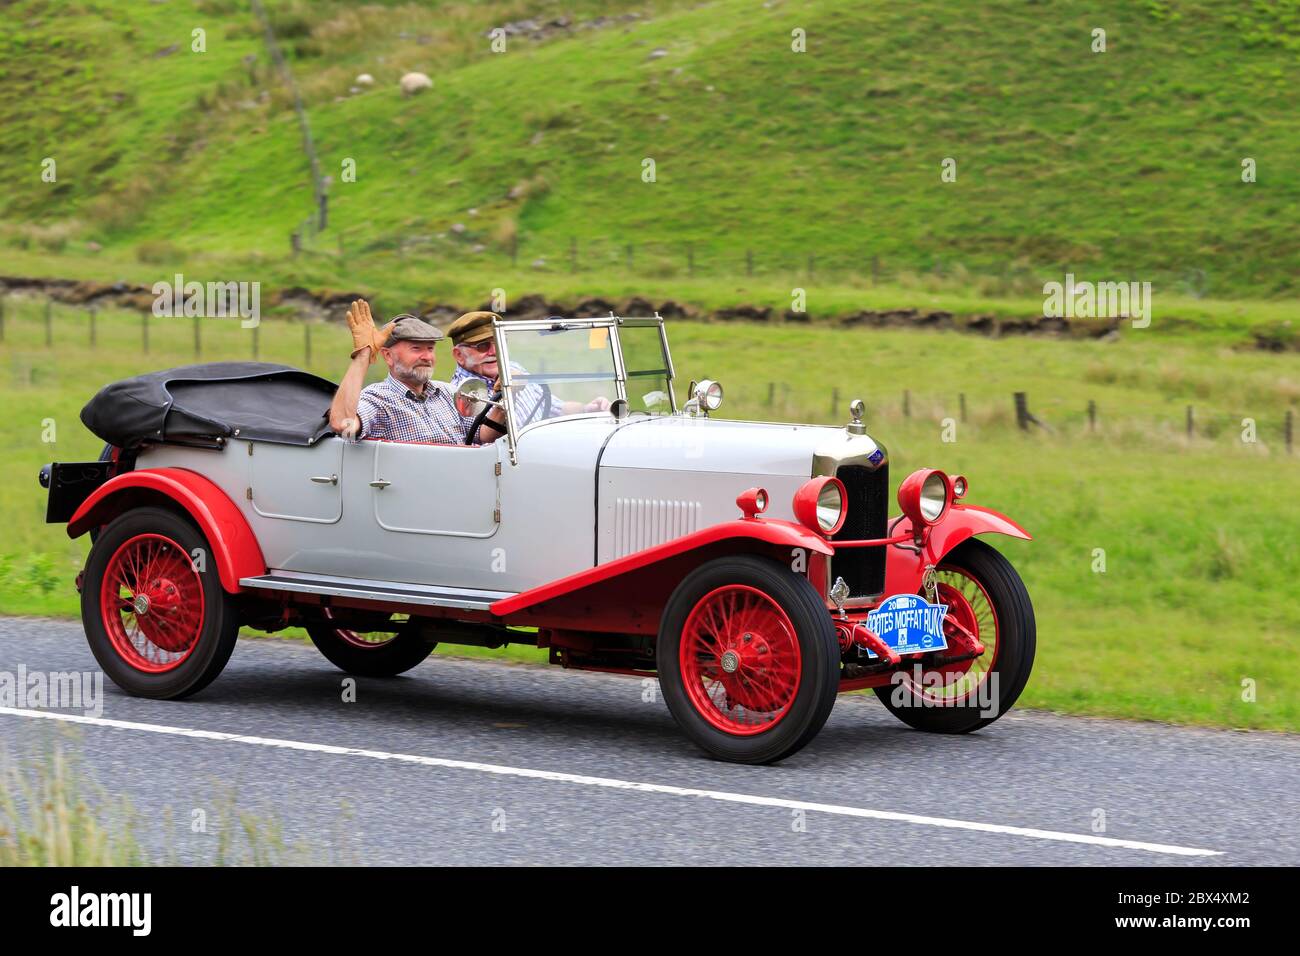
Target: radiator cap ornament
855	427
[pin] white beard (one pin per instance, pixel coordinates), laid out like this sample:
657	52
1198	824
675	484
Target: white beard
410	375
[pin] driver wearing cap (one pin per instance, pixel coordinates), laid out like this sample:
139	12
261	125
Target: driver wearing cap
474	349
405	406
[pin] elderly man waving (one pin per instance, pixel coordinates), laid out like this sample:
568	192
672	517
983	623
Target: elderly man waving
407	405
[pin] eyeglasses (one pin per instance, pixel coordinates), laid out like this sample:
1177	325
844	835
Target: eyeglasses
480	347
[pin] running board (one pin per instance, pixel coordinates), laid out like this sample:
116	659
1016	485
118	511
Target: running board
367	590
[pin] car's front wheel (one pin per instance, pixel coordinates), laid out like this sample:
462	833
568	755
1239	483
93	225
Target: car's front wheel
748	660
987	601
155	614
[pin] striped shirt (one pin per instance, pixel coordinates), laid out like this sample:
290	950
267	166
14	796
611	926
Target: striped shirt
391	411
528	399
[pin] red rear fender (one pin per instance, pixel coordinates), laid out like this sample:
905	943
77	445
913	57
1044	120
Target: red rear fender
234	548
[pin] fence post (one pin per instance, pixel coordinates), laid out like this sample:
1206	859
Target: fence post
92	326
961	400
295	243
629	257
690	259
1286	430
198	342
306	343
1191	423
771	393
256	343
907	403
1092	415
144	332
324	212
1022	411
749	262
835	399
49	322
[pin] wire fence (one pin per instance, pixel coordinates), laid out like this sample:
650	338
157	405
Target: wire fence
119	336
465	246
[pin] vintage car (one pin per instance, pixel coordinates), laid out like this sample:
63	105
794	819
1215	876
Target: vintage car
752	567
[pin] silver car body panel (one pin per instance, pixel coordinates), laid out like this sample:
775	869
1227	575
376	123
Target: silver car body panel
455	519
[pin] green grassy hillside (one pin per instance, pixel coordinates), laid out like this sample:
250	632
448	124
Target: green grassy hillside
1122	164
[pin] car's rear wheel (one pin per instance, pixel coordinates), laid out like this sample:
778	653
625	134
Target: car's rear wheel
987	599
156	618
748	660
370	653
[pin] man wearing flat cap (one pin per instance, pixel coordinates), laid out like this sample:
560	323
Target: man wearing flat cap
406	406
474	349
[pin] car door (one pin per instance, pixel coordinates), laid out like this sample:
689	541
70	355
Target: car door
446	491
296	483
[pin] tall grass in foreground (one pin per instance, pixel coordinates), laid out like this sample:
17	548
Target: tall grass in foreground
52	813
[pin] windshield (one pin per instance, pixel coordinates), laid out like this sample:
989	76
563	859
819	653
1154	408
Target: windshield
572	368
649	387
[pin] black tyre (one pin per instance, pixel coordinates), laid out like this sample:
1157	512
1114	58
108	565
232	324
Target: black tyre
378	654
156	617
984	593
748	659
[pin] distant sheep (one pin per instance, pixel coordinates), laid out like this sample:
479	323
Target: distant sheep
365	79
413	83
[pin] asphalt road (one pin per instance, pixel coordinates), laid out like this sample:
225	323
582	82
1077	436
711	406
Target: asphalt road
471	762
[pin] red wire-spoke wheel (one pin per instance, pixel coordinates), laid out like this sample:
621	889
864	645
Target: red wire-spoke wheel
989	606
395	649
157	620
152	603
748	659
740	659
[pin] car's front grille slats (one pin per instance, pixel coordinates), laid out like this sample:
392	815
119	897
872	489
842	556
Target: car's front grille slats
863	569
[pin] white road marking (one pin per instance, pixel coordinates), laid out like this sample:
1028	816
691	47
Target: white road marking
615	784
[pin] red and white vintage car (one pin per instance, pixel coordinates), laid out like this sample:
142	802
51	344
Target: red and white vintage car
752	567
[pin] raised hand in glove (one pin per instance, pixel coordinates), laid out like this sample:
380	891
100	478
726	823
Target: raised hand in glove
364	334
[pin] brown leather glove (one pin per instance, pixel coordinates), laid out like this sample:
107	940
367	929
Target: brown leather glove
364	334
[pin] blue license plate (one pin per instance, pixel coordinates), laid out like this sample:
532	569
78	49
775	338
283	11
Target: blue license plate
909	624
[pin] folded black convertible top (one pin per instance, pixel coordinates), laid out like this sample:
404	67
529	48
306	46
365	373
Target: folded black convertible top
258	400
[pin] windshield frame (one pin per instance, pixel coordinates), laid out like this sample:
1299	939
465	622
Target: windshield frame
612	322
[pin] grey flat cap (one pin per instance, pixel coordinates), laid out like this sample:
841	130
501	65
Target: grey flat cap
411	328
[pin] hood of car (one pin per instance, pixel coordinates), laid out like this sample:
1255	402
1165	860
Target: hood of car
717	445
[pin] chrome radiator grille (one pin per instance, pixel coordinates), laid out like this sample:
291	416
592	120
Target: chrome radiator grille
863	569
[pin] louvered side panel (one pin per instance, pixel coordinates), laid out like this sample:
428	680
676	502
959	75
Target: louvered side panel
641	523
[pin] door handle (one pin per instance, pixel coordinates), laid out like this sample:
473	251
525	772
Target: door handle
325	479
380	483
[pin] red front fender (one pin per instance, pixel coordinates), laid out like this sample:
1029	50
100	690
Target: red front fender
234	548
904	567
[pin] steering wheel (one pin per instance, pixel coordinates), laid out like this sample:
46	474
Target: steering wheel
480	418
